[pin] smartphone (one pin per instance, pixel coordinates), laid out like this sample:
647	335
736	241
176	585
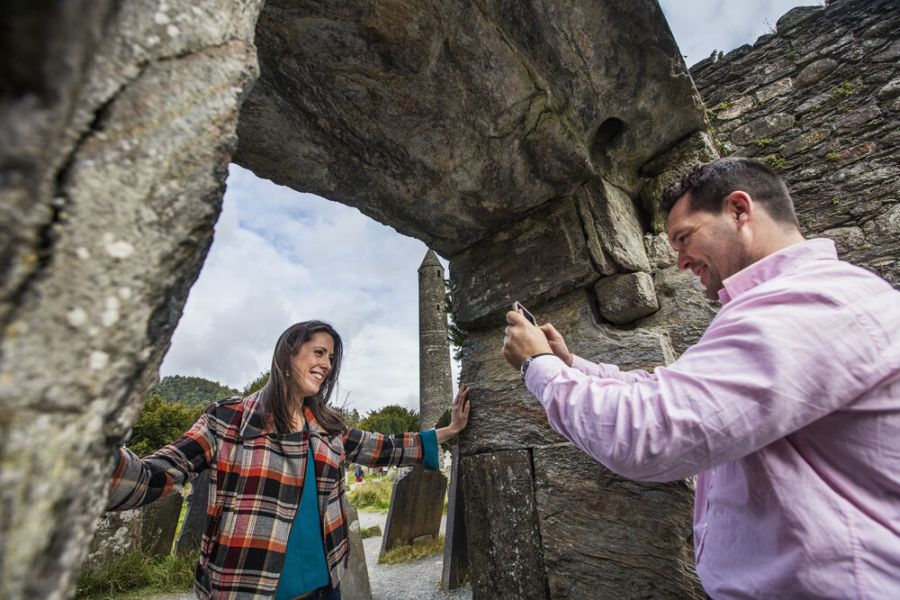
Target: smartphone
518	306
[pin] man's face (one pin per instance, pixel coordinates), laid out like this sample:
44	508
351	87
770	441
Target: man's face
707	243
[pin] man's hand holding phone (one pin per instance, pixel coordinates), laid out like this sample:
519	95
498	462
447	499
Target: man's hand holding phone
523	338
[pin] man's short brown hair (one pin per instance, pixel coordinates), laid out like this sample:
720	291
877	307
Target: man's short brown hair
710	183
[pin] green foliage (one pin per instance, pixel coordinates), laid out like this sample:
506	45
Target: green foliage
367	532
161	423
373	494
831	156
723	106
134	572
775	161
763	142
404	554
841	91
815	108
390	420
255	385
836	200
193	391
456	335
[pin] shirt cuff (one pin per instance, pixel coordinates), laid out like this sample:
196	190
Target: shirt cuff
585	366
429	449
541	370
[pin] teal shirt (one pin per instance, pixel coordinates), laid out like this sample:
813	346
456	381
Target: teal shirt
305	568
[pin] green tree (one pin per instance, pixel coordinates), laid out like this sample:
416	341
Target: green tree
194	391
390	420
161	423
257	384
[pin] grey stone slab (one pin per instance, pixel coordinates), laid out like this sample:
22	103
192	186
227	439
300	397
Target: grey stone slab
417	502
355	582
505	554
456	546
607	537
537	258
158	524
116	534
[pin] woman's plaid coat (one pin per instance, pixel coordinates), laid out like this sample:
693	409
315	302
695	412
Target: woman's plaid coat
256	480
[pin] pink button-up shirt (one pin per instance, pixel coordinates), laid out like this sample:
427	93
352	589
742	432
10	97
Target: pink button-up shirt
788	408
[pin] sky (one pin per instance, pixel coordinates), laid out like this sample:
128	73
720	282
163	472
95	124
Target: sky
281	256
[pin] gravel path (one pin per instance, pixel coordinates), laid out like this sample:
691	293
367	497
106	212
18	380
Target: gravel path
420	580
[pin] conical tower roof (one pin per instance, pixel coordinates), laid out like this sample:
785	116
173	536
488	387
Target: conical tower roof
430	260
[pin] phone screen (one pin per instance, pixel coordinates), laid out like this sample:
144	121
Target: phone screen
525	313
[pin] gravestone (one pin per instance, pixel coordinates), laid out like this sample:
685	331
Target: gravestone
117	533
416	506
355	583
456	555
160	520
195	520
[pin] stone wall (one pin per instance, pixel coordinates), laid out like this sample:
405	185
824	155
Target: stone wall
118	122
819	100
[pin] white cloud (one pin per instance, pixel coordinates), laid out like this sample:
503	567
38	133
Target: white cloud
702	26
280	256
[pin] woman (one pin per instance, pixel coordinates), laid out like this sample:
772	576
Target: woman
268	534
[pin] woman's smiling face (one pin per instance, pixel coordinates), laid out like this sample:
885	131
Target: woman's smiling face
312	363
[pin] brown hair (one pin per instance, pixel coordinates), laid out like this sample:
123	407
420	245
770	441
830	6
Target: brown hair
710	183
275	396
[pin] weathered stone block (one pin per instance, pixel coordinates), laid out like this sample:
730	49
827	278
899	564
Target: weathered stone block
625	298
764	127
780	87
611	214
660	251
355	582
535	259
159	522
501	519
815	71
417	503
607	537
504	413
732	109
456	546
116	534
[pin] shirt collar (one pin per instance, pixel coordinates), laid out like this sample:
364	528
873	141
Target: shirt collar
775	264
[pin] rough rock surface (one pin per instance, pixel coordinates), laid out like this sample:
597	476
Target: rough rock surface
501	519
596	546
449	120
626	298
832	133
116	146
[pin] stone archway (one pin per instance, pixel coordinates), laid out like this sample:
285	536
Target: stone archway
524	141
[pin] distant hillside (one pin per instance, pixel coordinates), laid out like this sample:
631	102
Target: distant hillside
192	390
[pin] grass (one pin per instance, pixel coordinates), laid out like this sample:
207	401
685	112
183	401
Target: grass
367	532
373	495
134	575
844	90
404	554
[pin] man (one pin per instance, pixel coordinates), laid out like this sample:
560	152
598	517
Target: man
788	407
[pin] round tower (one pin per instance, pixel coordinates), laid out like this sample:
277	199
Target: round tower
435	386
